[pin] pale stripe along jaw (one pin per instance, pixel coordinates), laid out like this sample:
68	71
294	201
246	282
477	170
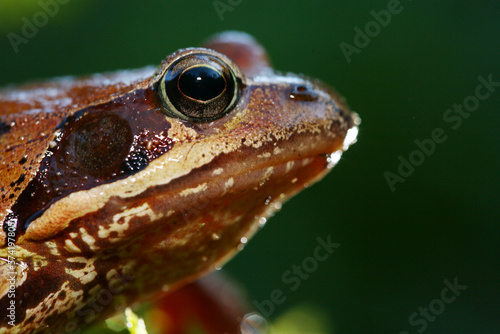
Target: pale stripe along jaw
183	193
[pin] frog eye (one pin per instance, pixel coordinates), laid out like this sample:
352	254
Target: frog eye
199	87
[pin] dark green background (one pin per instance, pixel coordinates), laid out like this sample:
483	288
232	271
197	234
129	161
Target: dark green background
396	247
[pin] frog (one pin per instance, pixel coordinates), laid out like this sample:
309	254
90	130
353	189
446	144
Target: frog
120	187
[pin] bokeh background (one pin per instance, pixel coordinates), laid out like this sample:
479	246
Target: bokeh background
397	247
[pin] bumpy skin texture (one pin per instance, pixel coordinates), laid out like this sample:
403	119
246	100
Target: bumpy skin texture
93	234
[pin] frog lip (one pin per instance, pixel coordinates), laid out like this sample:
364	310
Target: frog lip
272	161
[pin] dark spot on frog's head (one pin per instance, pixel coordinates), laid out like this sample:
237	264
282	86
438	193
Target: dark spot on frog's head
113	234
146	147
19	180
97	144
302	93
23	160
62	295
4	127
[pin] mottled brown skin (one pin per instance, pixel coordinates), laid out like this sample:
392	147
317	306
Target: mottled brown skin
166	201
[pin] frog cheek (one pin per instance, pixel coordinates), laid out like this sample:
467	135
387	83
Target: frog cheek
98	144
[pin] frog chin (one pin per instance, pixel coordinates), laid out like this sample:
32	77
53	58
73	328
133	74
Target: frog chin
214	219
198	220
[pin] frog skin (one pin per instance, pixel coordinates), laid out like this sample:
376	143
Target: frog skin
118	187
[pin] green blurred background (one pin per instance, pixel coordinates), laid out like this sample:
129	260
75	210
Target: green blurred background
397	247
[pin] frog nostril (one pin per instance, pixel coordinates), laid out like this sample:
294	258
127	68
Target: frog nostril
303	94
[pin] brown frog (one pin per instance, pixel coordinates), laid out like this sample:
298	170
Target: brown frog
118	186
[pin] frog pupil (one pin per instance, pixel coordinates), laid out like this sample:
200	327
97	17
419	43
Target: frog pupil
201	83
